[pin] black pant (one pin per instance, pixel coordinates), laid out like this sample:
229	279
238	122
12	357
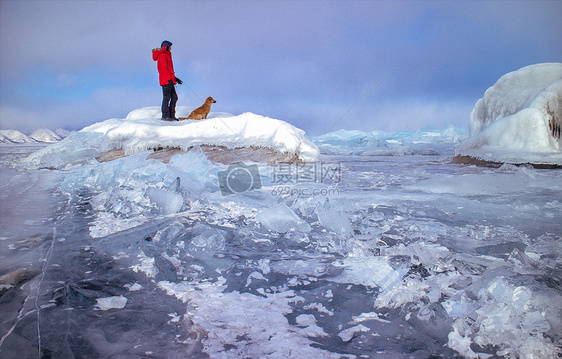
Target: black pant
169	101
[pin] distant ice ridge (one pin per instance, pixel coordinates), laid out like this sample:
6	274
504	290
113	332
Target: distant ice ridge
14	136
519	119
42	135
45	135
143	129
425	141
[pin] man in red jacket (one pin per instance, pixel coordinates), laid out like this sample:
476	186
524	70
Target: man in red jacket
168	79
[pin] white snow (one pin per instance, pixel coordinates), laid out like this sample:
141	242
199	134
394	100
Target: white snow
45	135
143	129
42	135
14	136
249	325
348	334
519	118
134	287
115	302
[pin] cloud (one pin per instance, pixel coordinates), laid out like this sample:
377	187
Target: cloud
24	120
78	113
297	61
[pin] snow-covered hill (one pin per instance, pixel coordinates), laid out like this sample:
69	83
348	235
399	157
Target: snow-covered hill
14	136
45	135
519	118
42	135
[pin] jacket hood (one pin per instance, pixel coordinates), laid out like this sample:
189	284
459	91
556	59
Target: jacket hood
166	45
157	52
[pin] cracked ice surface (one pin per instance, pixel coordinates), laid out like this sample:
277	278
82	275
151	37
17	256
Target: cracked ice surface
405	256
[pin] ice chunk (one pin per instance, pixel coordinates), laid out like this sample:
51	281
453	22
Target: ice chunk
145	265
281	218
193	169
134	287
256	276
375	272
519	118
348	334
535	322
512	93
521	297
433	320
116	302
334	219
512	318
105	175
167	201
304	320
63	160
206	240
319	307
76	149
368	316
461	344
310	328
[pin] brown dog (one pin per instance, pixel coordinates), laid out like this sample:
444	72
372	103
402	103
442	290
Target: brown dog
201	112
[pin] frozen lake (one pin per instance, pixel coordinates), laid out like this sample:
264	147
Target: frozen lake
402	254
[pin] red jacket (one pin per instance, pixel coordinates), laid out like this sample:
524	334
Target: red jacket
165	66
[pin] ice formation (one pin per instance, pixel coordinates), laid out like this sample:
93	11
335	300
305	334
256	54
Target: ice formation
426	141
140	131
143	130
519	119
412	257
281	218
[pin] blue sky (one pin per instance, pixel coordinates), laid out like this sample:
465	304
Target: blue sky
68	64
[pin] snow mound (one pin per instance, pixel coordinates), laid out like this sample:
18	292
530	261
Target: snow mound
45	135
143	129
519	119
14	136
